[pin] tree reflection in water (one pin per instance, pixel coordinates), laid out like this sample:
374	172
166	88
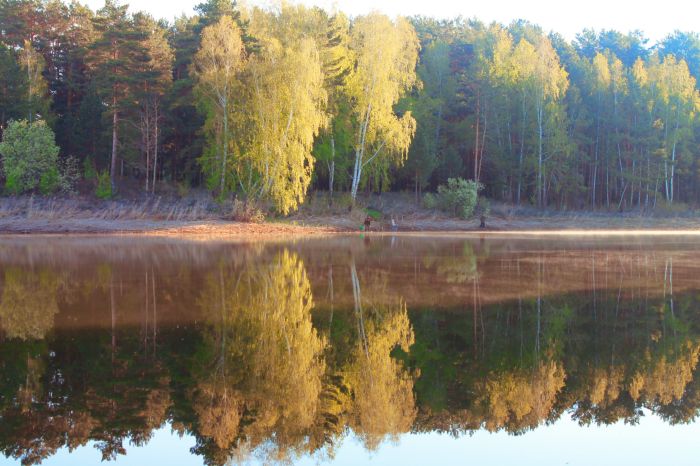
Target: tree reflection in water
242	351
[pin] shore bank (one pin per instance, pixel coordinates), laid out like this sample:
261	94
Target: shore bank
198	215
587	224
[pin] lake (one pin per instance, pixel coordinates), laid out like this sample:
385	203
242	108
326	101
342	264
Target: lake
350	350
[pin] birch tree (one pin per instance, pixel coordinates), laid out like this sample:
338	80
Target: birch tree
288	110
386	54
337	61
36	90
550	82
678	102
216	68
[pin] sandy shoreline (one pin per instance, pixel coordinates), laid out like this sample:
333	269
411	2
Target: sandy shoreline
324	226
29	227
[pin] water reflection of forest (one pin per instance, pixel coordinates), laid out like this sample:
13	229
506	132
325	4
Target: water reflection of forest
279	351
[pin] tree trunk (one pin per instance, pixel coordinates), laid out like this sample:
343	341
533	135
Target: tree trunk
522	154
357	171
115	135
595	164
481	152
359	155
540	200
476	138
331	171
146	131
156	115
225	154
29	86
673	154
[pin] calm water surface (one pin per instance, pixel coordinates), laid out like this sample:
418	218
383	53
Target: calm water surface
383	350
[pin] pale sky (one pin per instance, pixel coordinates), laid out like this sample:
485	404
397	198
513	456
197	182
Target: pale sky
650	443
656	18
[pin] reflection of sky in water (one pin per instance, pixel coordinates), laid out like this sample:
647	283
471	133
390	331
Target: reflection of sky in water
652	442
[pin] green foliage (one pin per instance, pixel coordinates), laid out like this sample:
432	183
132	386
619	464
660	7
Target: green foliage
89	170
387	53
29	157
50	181
12	184
69	170
429	107
104	186
12	85
430	201
216	68
314	98
375	214
458	197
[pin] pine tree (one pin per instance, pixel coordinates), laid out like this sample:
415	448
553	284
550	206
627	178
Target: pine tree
114	60
155	79
13	86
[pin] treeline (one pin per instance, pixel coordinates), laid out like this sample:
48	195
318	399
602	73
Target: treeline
604	121
267	104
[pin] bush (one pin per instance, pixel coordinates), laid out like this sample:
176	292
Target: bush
12	184
104	186
69	169
374	214
50	181
246	212
458	197
89	171
30	158
431	201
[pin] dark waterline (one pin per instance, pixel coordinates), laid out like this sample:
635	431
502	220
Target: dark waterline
302	350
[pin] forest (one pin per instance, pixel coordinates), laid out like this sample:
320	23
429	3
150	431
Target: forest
267	105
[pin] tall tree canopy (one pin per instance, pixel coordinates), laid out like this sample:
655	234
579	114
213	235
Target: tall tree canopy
386	54
266	104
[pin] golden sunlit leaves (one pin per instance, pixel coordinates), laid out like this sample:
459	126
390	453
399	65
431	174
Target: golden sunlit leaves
220	58
386	54
384	403
29	303
287	106
270	107
216	67
218	411
663	379
521	397
269	356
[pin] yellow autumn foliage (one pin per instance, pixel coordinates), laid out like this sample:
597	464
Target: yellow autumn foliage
29	303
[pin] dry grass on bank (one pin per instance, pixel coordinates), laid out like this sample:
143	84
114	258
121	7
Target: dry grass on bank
199	214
